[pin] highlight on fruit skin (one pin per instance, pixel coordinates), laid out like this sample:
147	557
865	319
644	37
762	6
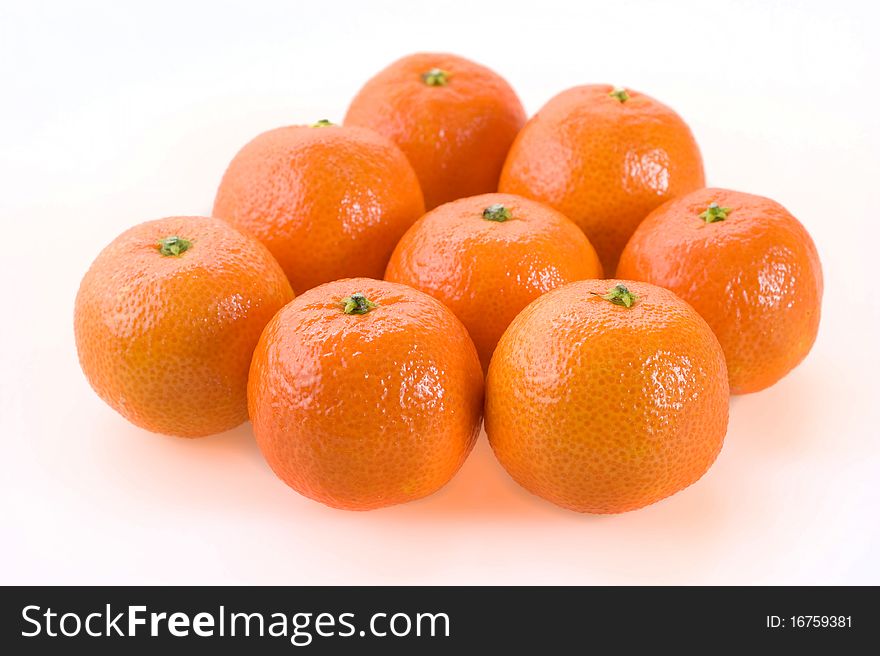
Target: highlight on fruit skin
453	118
167	317
605	157
328	201
747	266
622	403
365	393
486	257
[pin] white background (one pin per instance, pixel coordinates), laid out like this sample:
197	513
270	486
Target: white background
111	115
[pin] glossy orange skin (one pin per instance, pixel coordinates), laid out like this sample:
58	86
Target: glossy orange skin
755	277
487	271
166	341
603	163
605	409
328	202
457	135
364	411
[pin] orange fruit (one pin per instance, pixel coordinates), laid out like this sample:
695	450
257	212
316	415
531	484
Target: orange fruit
747	266
487	257
328	202
167	318
604	396
365	393
605	158
454	119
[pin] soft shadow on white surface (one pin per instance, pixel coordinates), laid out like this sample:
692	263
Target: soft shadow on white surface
99	500
103	128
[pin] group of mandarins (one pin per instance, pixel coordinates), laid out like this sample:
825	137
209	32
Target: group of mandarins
370	386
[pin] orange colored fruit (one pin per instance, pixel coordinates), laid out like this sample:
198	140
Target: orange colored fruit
365	393
487	257
328	202
454	119
604	396
747	266
167	318
605	158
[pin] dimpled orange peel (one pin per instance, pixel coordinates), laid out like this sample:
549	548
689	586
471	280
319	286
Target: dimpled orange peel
605	157
328	201
167	318
604	396
454	119
365	393
486	257
747	266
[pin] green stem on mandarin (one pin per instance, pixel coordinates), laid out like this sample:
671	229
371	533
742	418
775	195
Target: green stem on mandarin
436	77
619	295
620	94
357	304
173	246
714	213
497	212
323	123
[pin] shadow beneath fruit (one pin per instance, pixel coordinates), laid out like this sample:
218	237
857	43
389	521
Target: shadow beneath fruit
210	474
683	533
672	542
781	419
481	489
225	476
220	487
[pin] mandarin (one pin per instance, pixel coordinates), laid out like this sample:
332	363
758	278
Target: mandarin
365	393
454	119
487	257
329	202
606	400
747	266
605	158
167	318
